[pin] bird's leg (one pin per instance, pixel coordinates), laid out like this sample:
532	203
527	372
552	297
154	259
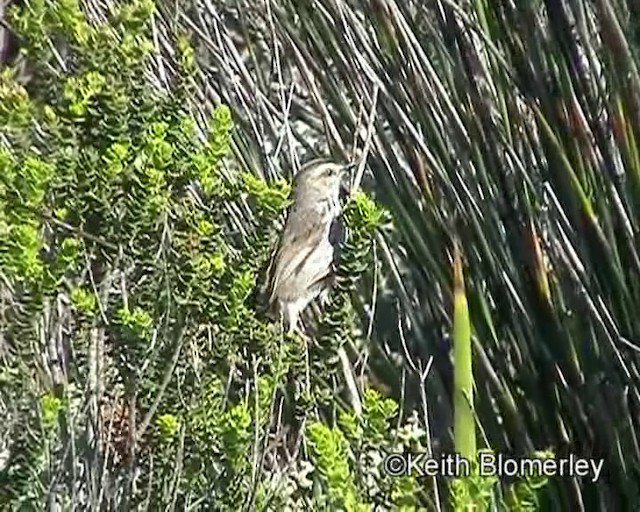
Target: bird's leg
283	321
324	297
306	392
291	317
294	320
307	366
293	327
291	314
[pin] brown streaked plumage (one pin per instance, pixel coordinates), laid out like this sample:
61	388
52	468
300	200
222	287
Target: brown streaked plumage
301	268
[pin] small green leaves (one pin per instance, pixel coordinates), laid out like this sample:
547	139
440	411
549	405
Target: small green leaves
234	434
83	300
115	159
186	54
219	132
376	413
209	266
134	15
15	107
72	20
50	116
132	330
362	212
223	439
31	183
20	253
242	284
205	227
522	495
186	126
50	405
78	91
69	251
373	426
204	164
203	416
168	427
136	323
157	146
351	425
270	199
329	451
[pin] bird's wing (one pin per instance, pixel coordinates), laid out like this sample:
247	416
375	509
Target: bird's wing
337	235
301	236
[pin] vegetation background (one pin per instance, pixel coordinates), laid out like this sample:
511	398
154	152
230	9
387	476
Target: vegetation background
145	152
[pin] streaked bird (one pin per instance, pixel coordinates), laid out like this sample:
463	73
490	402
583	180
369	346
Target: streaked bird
302	266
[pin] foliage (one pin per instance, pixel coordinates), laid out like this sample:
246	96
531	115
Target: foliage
108	259
120	251
511	126
477	491
129	250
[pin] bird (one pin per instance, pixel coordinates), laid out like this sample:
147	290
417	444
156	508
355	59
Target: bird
302	267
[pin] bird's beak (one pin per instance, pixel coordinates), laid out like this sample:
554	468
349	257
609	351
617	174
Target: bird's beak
347	179
349	168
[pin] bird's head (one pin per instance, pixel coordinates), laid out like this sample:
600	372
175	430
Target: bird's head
322	178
